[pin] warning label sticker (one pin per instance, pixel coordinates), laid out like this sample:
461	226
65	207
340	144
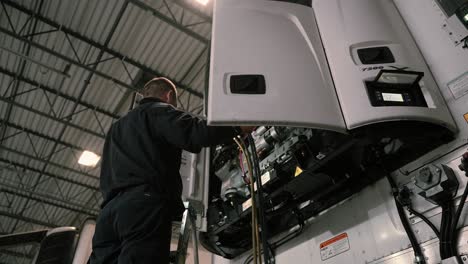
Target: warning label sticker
334	246
459	86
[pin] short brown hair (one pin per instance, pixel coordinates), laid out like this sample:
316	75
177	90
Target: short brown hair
157	87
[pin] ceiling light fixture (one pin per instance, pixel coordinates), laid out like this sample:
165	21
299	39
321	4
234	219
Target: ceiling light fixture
89	159
203	2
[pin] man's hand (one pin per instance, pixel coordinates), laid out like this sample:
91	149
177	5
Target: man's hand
247	129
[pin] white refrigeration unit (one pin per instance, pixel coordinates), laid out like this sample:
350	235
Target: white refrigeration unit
342	96
338	65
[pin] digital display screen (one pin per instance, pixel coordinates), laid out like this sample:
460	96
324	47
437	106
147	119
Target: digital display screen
397	78
392	97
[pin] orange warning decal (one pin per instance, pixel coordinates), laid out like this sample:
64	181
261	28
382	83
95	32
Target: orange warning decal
333	240
466	117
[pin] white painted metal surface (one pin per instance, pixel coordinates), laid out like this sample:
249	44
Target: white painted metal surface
84	247
61	229
348	25
431	251
195	183
281	42
447	62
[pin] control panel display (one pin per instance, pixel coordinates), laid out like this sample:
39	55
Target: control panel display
396	88
392	97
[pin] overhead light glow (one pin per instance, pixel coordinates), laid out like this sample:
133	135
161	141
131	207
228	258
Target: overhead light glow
203	2
89	159
384	235
466	18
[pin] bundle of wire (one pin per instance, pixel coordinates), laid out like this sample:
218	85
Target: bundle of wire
256	250
419	257
267	252
448	234
453	229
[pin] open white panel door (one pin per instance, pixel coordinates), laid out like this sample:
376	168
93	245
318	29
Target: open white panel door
195	183
85	242
363	37
268	67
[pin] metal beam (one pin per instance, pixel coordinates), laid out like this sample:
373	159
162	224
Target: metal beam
37	134
27	219
91	72
170	21
193	10
56	119
53	201
65	58
51	163
95	44
25	57
57	92
51	175
20	67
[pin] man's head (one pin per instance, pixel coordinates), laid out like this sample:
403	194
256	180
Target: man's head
161	88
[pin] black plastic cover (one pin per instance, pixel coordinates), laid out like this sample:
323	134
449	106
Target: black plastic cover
376	55
247	84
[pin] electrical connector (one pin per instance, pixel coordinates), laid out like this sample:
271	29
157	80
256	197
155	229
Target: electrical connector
437	184
464	163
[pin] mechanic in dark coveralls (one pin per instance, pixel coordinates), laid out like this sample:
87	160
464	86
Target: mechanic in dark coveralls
140	179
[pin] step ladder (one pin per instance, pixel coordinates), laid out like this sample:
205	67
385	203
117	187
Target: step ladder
188	226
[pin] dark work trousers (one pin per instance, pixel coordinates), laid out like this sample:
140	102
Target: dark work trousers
134	227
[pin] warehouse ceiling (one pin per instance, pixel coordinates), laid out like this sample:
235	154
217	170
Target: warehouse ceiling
68	69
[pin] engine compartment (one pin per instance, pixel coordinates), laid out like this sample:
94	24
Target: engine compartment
303	172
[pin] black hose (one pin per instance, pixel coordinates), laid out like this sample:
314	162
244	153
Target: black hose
448	235
414	242
443	225
455	223
284	239
427	221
